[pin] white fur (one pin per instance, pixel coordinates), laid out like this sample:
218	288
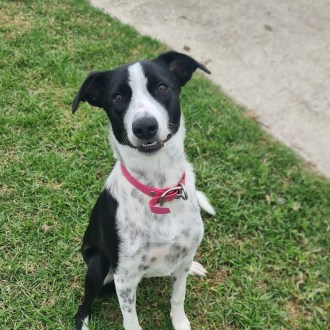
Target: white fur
109	278
197	269
153	244
85	323
204	203
143	104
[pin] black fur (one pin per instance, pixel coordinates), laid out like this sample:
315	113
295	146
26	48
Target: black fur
111	91
100	88
100	252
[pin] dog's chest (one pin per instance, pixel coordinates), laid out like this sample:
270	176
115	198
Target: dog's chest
157	249
155	245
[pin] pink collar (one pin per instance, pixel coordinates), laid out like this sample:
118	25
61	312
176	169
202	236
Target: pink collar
159	196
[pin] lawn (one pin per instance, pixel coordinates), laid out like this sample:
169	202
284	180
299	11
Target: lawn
266	250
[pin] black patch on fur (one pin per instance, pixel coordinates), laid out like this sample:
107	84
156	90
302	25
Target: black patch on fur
101	242
157	73
125	293
172	257
101	235
131	300
186	233
108	289
100	88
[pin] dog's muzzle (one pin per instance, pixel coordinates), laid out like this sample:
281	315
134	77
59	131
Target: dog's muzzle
146	129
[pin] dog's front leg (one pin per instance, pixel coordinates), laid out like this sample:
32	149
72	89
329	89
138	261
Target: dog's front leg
126	291
178	316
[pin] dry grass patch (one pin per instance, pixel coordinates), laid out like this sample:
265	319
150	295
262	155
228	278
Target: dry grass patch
13	21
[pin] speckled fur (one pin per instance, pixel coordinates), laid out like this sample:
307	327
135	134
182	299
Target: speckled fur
152	244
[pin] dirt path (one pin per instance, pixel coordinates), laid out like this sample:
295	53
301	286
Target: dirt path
273	57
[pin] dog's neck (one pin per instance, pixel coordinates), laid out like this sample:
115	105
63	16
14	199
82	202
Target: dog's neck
161	169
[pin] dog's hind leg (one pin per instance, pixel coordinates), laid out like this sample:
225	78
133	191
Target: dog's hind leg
98	268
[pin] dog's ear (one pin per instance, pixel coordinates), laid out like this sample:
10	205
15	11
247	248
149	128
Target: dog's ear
92	90
183	66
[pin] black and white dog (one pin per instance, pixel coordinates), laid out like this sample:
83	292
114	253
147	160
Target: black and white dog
147	220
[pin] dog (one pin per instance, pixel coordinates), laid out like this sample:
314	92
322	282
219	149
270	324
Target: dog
147	220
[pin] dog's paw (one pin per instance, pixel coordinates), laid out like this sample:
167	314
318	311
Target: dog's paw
132	326
81	322
180	322
197	269
85	324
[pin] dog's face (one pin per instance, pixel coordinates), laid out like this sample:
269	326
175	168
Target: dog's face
141	99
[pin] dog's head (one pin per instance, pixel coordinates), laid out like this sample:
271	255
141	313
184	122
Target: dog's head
141	99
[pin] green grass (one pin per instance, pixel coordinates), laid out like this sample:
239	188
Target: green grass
267	249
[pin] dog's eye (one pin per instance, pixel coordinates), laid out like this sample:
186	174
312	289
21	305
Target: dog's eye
117	99
162	88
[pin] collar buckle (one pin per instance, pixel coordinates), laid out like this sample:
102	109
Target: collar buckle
181	192
159	196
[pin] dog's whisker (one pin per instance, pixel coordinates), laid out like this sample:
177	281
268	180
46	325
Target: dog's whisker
173	127
125	139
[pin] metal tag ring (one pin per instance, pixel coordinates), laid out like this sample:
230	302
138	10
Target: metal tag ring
184	194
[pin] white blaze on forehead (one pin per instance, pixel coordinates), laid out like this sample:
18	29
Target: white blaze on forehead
137	80
143	103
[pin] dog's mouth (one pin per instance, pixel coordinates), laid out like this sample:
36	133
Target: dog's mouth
152	146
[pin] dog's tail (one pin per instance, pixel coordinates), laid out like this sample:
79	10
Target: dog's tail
204	203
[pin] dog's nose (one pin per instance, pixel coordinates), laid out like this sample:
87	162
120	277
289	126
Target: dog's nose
145	128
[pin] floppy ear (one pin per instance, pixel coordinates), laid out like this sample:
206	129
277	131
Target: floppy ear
183	66
92	90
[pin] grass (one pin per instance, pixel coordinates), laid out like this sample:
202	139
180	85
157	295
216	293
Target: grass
267	249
